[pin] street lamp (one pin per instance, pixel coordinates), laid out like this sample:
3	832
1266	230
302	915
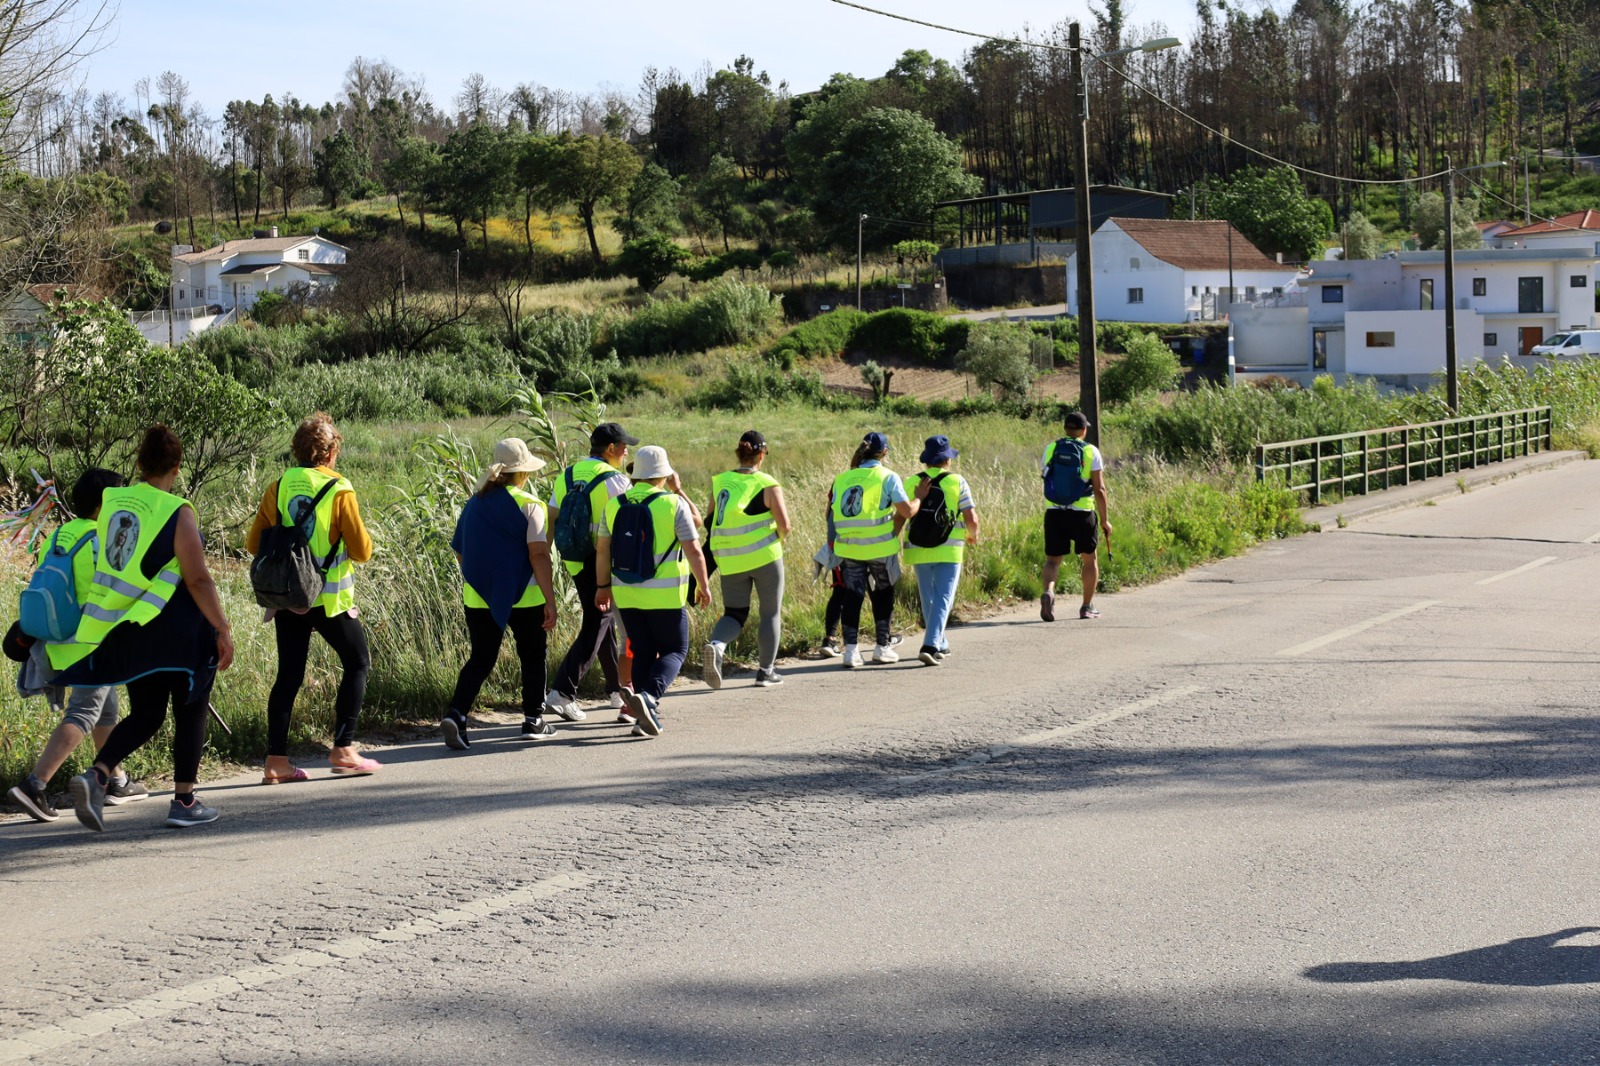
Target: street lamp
859	220
1088	372
1452	370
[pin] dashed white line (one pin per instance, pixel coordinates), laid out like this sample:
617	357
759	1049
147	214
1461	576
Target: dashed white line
1524	568
178	998
978	758
1359	627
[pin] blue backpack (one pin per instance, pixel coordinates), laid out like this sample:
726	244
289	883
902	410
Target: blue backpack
573	537
1064	483
49	608
633	541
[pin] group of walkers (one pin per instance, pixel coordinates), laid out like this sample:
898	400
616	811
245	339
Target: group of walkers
133	567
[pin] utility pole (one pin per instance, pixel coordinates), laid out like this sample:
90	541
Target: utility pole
1451	370
859	220
1088	372
458	281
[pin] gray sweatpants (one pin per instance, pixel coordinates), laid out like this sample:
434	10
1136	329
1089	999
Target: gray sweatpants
767	582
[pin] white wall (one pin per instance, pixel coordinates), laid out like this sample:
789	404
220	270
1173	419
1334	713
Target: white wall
1418	341
1270	336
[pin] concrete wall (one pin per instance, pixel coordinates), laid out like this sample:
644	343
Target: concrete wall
1270	336
802	304
994	254
1418	341
1004	286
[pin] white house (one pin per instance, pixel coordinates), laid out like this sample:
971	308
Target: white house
235	273
1579	230
1157	270
1385	317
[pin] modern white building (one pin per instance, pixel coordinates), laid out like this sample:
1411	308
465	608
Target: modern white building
1157	270
1385	317
1579	230
235	273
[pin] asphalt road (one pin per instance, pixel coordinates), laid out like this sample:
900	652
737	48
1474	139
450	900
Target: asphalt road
1332	802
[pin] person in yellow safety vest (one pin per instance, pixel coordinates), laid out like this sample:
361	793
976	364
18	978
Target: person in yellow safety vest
1071	527
501	544
867	506
338	537
938	566
86	710
747	523
154	623
653	609
601	473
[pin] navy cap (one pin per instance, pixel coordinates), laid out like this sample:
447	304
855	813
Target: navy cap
936	449
1076	420
608	433
754	438
876	442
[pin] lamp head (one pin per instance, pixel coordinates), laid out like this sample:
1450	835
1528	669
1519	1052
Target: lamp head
1159	43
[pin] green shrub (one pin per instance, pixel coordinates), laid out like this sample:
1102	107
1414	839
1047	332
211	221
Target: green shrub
748	384
659	327
825	336
1000	356
732	312
919	334
1149	366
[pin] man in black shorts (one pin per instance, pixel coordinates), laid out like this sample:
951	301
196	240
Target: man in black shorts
1075	484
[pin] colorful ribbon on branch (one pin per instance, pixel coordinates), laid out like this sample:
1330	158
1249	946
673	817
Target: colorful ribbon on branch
24	527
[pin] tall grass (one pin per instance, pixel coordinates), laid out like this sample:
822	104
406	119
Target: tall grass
1167	518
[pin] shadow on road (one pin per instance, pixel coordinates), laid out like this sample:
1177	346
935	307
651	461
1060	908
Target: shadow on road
1530	961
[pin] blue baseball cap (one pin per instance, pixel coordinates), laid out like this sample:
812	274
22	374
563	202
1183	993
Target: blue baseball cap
876	442
936	449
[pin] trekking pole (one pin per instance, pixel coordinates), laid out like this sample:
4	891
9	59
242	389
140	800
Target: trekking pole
217	716
1110	558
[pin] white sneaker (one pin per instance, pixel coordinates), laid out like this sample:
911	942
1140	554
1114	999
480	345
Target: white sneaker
885	654
711	663
565	706
852	656
616	701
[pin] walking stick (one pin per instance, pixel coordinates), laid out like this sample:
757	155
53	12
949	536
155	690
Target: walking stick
217	716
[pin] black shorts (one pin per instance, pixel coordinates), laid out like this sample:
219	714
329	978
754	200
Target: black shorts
1071	532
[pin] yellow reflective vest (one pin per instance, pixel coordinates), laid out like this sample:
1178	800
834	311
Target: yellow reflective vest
742	542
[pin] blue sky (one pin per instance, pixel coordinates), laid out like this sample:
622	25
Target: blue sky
232	51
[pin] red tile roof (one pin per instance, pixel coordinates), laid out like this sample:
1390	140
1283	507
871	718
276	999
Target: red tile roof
1588	219
1196	245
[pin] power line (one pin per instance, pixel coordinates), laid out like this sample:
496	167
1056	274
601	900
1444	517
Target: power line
1145	89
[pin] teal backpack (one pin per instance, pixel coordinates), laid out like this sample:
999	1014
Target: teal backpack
49	607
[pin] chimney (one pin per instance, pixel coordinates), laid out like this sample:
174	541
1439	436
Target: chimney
1280	259
274	231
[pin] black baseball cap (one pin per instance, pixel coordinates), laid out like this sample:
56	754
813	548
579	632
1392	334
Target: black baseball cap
1076	420
754	438
608	433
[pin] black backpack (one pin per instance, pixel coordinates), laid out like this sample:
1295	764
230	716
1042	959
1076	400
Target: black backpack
633	541
933	523
284	573
573	537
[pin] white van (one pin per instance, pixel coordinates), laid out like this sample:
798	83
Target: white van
1572	344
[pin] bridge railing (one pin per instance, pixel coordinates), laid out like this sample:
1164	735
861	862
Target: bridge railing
1353	464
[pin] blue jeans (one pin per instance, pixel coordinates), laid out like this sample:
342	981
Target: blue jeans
936	584
660	640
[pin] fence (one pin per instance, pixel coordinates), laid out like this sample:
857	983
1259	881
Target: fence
1353	464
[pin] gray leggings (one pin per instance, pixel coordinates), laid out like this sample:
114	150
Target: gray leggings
767	581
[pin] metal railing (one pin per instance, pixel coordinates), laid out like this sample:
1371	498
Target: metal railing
1354	464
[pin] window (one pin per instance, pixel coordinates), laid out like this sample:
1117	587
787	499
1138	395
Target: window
1425	295
1491	340
1530	296
1249	292
1580	281
1480	286
305	255
1380	339
183	294
1194	290
1136	296
1333	294
1277	290
1133	264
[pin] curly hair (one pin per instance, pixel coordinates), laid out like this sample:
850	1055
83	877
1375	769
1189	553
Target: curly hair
160	451
315	440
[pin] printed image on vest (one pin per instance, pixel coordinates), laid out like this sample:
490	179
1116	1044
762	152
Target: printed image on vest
1071	532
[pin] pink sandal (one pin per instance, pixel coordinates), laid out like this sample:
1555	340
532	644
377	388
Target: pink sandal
359	768
294	774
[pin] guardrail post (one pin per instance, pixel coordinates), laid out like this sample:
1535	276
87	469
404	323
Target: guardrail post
1366	464
1261	462
1316	472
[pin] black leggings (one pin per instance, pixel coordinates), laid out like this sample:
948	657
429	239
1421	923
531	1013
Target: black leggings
882	610
148	698
835	609
527	627
349	641
594	641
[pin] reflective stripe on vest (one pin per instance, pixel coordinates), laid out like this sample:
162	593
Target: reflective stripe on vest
296	489
869	533
954	549
130	521
668	589
533	595
748	545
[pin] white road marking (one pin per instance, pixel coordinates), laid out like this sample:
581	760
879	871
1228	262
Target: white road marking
1359	627
179	998
978	758
1524	568
1592	540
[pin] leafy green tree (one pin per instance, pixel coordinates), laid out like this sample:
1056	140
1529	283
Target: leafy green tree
1272	210
744	110
339	167
648	260
892	164
412	171
1427	215
1147	366
719	193
538	160
1362	239
651	205
476	176
822	121
592	171
1000	356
